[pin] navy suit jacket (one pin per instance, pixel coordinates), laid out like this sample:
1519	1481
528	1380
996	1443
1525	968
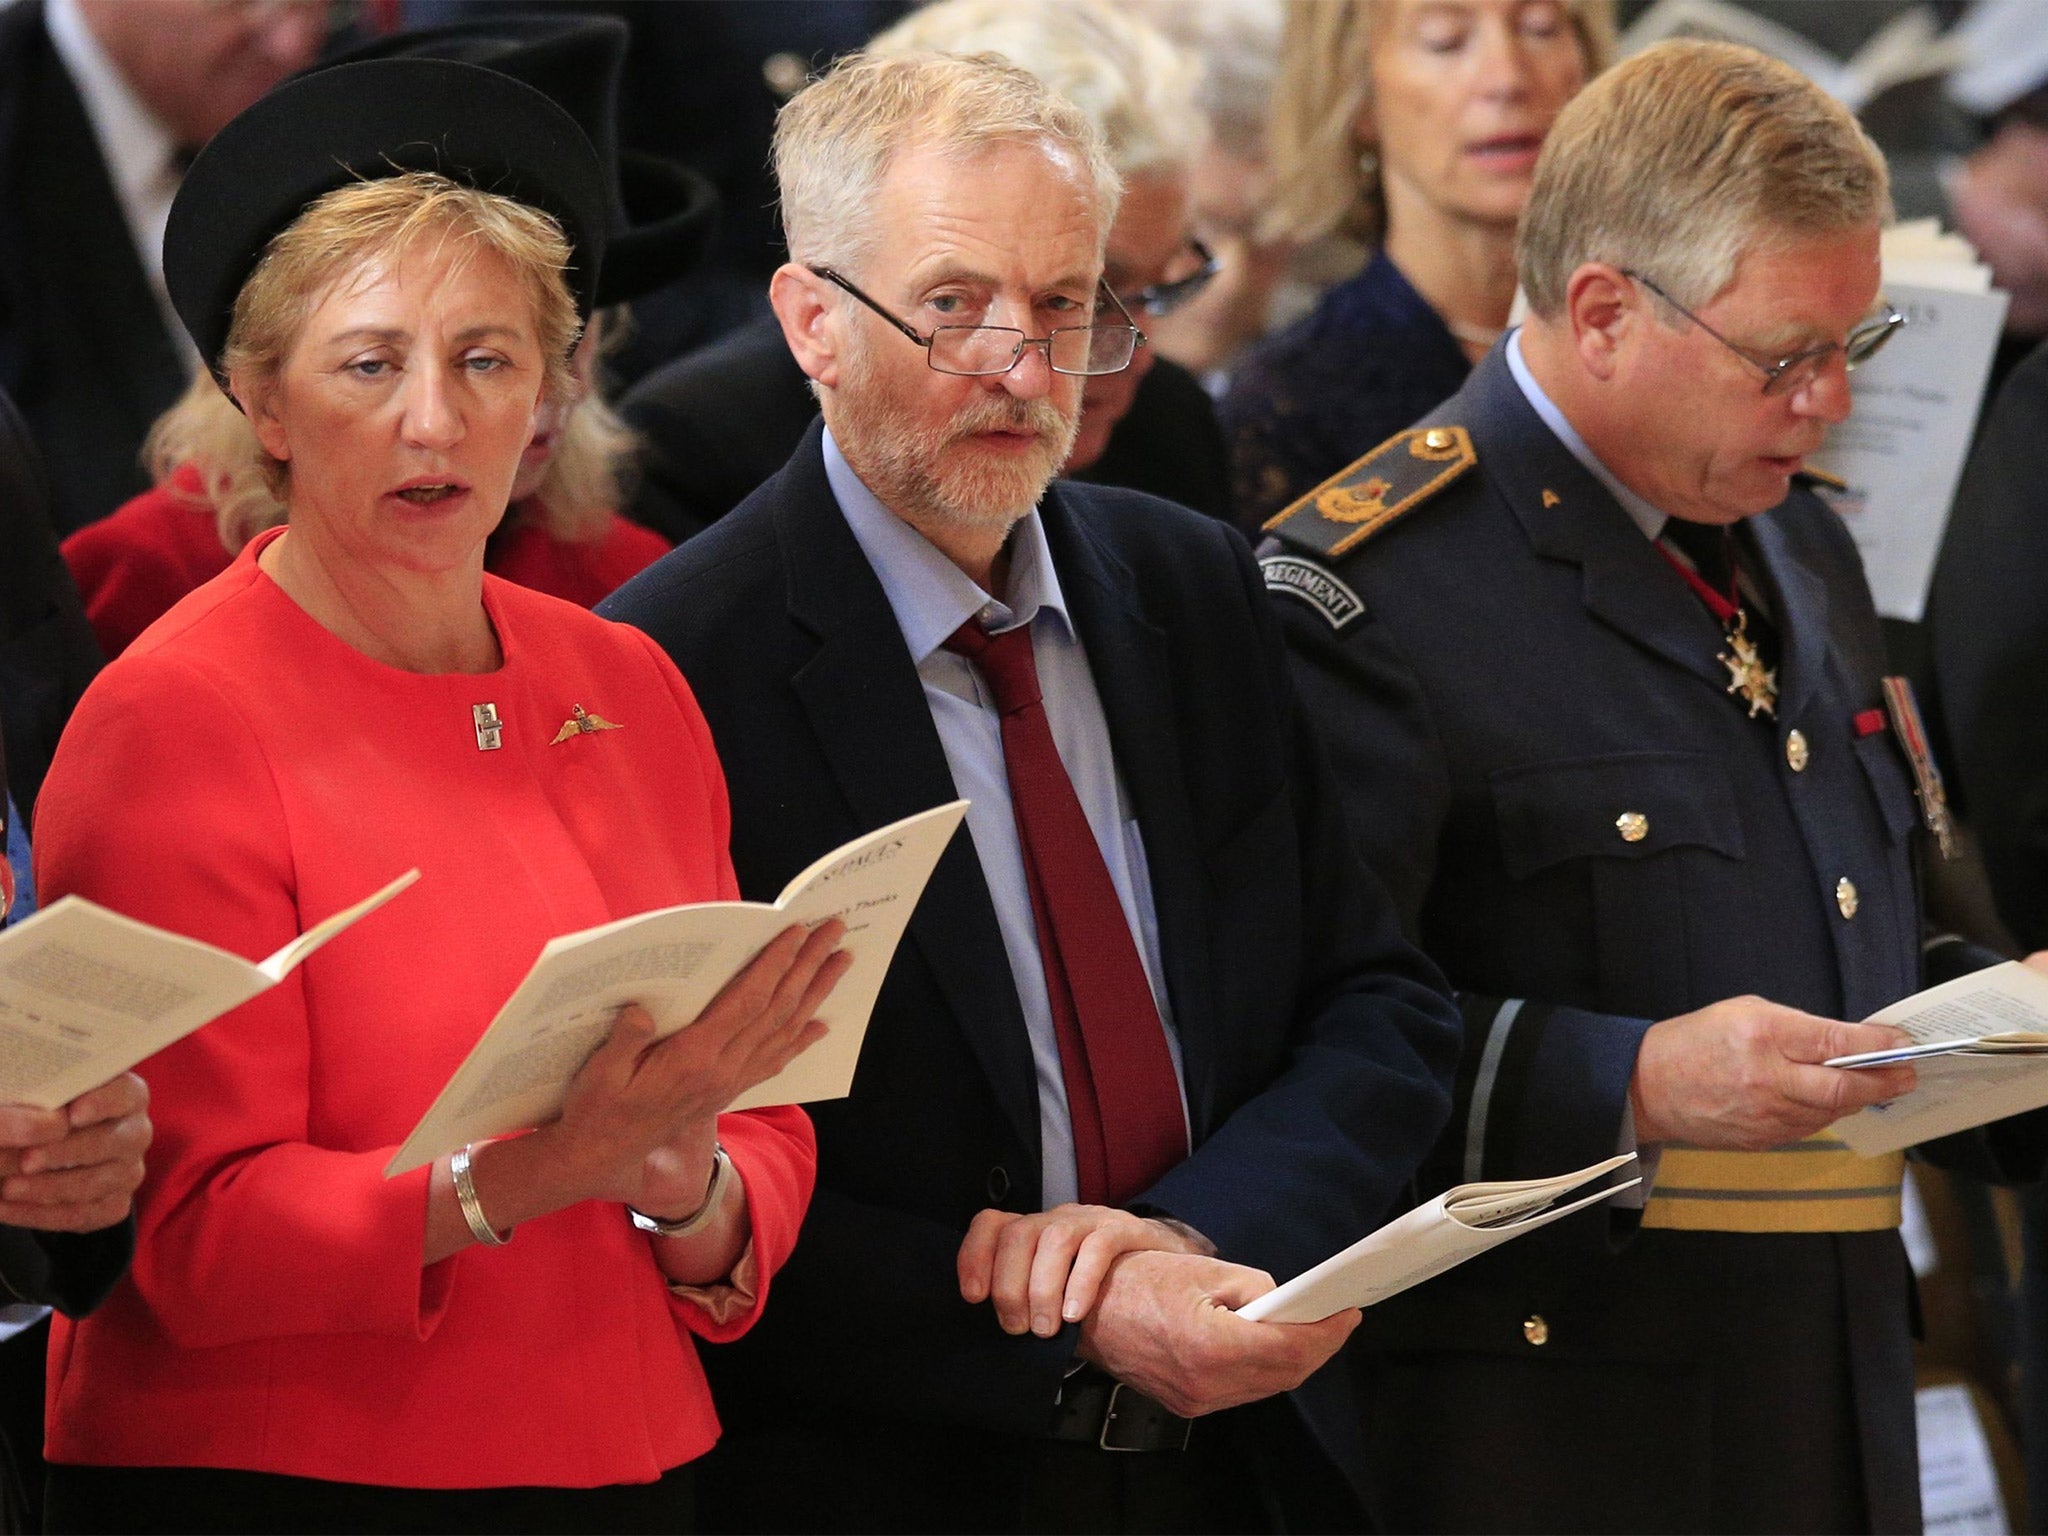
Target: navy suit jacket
1317	1043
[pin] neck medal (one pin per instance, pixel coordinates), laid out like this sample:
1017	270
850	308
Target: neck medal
1748	678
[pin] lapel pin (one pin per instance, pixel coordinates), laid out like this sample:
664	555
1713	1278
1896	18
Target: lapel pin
583	723
1550	497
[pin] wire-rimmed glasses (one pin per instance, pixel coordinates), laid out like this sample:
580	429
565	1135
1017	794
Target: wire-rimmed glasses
1158	299
975	351
1788	375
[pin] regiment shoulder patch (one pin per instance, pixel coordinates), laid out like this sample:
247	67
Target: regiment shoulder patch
1305	579
1356	503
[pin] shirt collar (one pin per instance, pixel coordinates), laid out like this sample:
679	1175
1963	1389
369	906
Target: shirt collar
138	148
1640	512
930	595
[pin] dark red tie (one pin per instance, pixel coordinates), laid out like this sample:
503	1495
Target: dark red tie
1122	1096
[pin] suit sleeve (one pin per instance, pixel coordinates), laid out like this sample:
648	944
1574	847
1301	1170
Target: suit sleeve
774	1150
867	1278
1990	633
1540	1088
246	1229
71	1271
1330	1147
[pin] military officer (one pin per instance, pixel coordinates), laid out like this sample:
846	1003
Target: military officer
1603	678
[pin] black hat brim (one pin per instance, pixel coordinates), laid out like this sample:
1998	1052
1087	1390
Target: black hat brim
672	214
365	121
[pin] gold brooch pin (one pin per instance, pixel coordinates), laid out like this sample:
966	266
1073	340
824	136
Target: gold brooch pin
583	723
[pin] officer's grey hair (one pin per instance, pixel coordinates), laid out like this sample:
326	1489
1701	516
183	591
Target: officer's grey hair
835	140
1679	160
1136	87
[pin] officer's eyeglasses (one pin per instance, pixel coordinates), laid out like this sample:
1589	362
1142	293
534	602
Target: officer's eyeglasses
974	351
1158	299
1788	375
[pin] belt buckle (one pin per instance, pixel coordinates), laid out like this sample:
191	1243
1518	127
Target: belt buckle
1102	1440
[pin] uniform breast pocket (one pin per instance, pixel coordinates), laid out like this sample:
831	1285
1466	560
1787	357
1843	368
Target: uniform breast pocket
1643	839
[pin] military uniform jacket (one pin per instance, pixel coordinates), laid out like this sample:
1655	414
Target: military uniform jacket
1589	834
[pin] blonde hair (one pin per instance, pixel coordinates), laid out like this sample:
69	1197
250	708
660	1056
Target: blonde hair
1324	88
1677	161
835	140
1134	85
342	231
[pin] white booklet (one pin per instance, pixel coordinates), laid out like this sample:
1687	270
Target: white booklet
1980	1047
1902	449
86	993
1457	1225
673	962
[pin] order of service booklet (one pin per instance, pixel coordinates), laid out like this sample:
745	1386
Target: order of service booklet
1980	1047
86	993
1457	1225
673	962
1901	451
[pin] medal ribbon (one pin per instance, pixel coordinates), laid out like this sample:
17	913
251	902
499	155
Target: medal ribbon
1722	606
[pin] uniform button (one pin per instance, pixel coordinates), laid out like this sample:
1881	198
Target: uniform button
1795	751
1535	1330
1633	826
998	1183
1846	897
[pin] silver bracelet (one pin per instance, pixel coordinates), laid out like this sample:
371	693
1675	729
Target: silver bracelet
714	1192
472	1210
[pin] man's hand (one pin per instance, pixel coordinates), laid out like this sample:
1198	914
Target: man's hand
1746	1074
1164	1324
74	1169
1045	1269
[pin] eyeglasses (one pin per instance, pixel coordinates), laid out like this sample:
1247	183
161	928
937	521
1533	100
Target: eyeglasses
974	351
1159	299
1788	375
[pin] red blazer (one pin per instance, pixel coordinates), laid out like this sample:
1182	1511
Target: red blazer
241	773
133	565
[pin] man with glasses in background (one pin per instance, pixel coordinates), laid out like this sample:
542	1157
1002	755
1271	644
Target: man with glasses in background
718	422
1153	1037
1604	685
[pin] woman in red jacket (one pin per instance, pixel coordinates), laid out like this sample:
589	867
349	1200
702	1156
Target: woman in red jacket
504	1340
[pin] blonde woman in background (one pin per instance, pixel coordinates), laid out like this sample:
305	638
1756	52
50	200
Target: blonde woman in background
1411	127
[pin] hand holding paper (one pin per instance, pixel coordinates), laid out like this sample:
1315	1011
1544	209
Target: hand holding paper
1172	1325
1980	1044
1457	1225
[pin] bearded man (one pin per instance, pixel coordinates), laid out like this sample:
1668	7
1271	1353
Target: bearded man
1153	1036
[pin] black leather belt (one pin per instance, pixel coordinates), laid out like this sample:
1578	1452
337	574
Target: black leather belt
1099	1410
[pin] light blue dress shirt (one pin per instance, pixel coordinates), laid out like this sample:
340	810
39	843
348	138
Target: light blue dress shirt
1641	513
931	598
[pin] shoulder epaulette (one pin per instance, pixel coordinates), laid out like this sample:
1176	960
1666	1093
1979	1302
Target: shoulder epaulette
1820	479
1356	503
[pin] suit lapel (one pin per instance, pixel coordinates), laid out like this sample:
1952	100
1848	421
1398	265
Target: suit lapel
1128	658
867	710
1801	604
1569	515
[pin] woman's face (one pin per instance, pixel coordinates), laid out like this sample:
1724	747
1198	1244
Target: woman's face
552	420
404	406
1463	93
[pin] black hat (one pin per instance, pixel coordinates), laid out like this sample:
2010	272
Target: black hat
664	213
364	121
